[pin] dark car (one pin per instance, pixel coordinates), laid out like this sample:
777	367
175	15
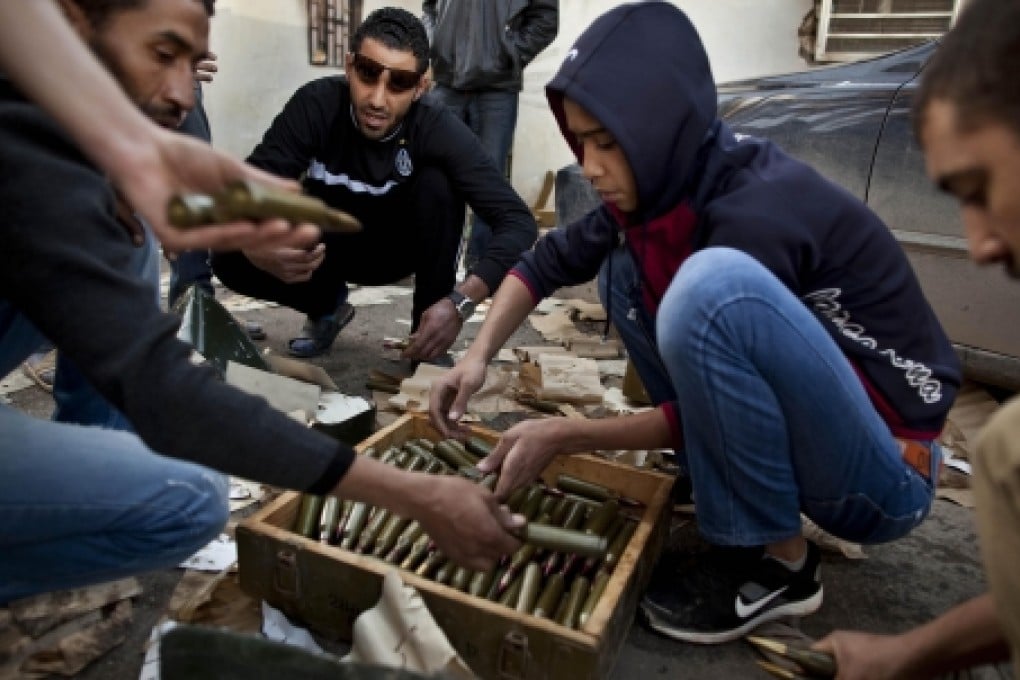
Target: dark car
852	123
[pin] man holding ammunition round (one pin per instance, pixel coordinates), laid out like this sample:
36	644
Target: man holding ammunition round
371	145
770	314
82	505
967	120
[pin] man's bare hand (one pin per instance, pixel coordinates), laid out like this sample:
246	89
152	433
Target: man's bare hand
449	396
863	656
148	174
522	453
290	265
466	522
207	68
436	332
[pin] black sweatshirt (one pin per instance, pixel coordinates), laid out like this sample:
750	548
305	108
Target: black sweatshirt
700	185
63	264
316	135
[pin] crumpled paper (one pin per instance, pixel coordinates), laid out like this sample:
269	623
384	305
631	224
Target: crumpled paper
399	632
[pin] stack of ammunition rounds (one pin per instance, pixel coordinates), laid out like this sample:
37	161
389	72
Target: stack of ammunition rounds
575	535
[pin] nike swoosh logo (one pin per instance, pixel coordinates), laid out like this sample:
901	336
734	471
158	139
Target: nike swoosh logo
747	611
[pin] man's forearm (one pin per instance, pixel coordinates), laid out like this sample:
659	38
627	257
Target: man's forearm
35	36
641	431
965	636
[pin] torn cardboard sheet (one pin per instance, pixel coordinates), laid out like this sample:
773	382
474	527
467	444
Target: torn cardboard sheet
414	391
586	311
615	403
495	395
830	543
971	410
594	347
564	378
532	352
556	326
282	393
37	614
962	497
399	632
300	370
215	600
15	381
217	555
72	653
612	368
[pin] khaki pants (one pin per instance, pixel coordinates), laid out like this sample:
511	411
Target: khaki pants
997	495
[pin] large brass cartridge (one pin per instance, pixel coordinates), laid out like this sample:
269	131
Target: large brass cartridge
597	588
531	582
329	519
564	540
247	200
357	521
574	601
308	516
550	597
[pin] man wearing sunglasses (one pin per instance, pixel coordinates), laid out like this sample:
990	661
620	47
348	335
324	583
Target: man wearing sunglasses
369	144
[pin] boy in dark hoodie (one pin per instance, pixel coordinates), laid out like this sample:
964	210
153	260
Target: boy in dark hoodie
773	318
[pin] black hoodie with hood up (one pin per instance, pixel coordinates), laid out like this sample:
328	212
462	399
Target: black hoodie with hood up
641	71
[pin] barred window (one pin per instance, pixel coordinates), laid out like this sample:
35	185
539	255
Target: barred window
331	24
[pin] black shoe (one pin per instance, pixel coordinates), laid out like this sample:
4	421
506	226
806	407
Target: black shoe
721	595
318	335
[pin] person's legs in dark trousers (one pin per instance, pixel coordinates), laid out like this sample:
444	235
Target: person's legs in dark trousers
414	231
437	214
492	116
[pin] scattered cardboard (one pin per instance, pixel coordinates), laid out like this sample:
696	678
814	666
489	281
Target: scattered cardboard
532	352
414	391
300	370
400	632
556	326
595	347
282	393
962	497
72	653
37	614
564	378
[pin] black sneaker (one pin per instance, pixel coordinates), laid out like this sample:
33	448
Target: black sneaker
722	596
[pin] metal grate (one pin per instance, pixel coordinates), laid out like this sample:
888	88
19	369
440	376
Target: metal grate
848	30
330	26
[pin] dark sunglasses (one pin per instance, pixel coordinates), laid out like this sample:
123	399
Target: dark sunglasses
369	71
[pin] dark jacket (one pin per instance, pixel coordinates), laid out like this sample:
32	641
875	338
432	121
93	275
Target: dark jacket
485	44
642	72
62	265
315	136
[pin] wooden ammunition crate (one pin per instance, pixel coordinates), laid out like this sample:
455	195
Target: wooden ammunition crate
326	587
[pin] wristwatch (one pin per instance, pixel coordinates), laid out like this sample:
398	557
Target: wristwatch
464	305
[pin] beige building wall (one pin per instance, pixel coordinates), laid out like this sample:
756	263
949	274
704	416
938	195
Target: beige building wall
263	53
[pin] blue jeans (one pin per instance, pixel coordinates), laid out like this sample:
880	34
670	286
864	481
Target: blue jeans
81	504
492	116
775	420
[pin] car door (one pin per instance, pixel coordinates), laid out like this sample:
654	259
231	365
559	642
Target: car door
979	307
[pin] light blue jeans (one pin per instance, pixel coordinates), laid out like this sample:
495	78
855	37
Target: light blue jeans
492	116
775	420
82	504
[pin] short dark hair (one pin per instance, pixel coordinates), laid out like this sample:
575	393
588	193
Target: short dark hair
98	11
976	67
398	29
